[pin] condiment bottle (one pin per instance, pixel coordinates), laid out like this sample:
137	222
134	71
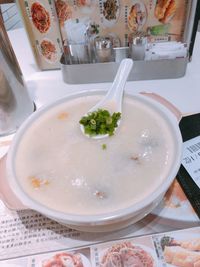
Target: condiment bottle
103	49
138	47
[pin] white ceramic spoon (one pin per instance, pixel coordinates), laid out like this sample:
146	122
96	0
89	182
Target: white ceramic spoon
113	98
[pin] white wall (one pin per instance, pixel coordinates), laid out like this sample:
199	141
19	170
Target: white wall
11	16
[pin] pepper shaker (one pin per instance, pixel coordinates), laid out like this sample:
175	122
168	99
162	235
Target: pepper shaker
103	49
138	47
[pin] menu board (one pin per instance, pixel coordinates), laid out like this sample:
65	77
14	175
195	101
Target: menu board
160	19
41	23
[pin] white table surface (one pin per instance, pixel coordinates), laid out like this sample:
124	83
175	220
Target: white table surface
46	86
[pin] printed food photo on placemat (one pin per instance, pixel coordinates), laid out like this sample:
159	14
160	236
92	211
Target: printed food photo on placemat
180	249
128	253
176	207
78	258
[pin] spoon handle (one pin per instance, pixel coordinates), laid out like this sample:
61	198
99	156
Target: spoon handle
115	92
117	88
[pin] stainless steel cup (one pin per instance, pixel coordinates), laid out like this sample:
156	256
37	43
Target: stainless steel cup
15	103
138	47
78	53
103	49
121	53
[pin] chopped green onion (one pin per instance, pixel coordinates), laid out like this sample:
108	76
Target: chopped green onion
93	122
100	122
104	146
109	120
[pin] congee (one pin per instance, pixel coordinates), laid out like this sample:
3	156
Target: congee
61	168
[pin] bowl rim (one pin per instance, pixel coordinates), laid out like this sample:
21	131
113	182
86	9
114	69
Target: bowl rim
103	218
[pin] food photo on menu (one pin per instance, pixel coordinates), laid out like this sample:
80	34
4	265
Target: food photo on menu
48	50
181	253
41	24
125	253
40	17
179	249
165	10
175	205
137	17
78	258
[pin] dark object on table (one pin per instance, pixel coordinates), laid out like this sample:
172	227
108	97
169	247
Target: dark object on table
195	28
190	128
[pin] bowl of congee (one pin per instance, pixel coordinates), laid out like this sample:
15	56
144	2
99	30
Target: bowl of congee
95	184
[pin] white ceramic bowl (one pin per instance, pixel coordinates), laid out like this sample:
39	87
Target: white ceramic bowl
108	221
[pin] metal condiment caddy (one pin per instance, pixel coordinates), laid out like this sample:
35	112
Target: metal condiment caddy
102	70
106	59
105	72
